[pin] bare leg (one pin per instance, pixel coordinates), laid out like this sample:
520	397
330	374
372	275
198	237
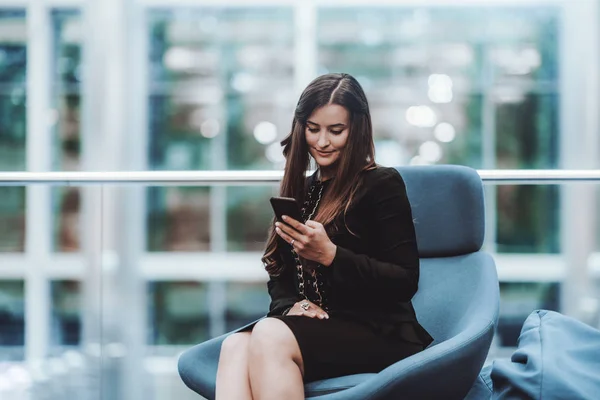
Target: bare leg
232	374
276	367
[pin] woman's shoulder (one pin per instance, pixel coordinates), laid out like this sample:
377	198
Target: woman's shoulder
382	176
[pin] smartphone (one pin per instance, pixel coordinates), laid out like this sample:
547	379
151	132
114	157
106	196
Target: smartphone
286	206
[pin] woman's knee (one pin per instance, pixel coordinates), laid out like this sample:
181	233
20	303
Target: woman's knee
272	336
273	340
235	344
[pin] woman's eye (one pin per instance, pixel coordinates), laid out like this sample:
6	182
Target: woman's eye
315	130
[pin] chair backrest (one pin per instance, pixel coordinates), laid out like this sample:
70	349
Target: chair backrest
458	283
448	209
455	292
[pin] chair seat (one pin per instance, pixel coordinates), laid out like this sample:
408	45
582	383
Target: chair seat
333	385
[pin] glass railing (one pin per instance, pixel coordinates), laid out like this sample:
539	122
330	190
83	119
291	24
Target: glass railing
106	277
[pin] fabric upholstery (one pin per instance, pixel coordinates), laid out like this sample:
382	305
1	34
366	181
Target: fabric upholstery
457	301
557	357
482	389
448	208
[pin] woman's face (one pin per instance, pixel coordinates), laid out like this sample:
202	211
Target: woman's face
326	134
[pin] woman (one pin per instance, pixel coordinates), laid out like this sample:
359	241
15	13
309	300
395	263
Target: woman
341	282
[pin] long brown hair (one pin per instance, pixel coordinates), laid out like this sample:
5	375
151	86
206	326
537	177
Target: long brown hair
358	154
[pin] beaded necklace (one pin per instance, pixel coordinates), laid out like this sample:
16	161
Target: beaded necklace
299	268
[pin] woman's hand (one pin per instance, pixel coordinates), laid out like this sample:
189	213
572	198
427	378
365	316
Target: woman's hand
309	240
309	309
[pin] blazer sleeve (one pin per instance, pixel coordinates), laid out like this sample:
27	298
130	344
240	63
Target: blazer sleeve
283	293
393	269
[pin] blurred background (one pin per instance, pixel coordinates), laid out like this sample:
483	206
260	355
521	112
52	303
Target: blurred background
103	286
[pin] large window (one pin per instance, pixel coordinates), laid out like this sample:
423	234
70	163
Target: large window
472	85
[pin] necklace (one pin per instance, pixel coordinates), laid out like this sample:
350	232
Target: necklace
299	268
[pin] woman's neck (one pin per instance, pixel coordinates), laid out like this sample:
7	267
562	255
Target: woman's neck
325	174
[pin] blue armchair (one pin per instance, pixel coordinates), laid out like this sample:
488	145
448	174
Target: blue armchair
457	301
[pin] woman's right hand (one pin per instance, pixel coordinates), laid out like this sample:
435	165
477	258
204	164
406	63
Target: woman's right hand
313	310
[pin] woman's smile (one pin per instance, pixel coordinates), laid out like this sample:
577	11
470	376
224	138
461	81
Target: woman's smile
324	153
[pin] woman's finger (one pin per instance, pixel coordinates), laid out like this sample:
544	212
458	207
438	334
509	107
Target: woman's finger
313	224
318	311
284	235
297	225
309	314
294	234
322	314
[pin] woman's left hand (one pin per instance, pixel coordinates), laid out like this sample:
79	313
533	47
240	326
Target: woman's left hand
309	240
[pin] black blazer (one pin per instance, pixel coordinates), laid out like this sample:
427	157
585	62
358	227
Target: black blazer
375	275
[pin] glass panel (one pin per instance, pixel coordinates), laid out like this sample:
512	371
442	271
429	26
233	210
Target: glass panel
455	139
527	131
66	313
249	215
178	312
517	301
12	126
13	50
527	137
178	219
246	302
66	230
528	219
13	62
12	320
525	49
12	219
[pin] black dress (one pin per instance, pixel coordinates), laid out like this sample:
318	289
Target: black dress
366	291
